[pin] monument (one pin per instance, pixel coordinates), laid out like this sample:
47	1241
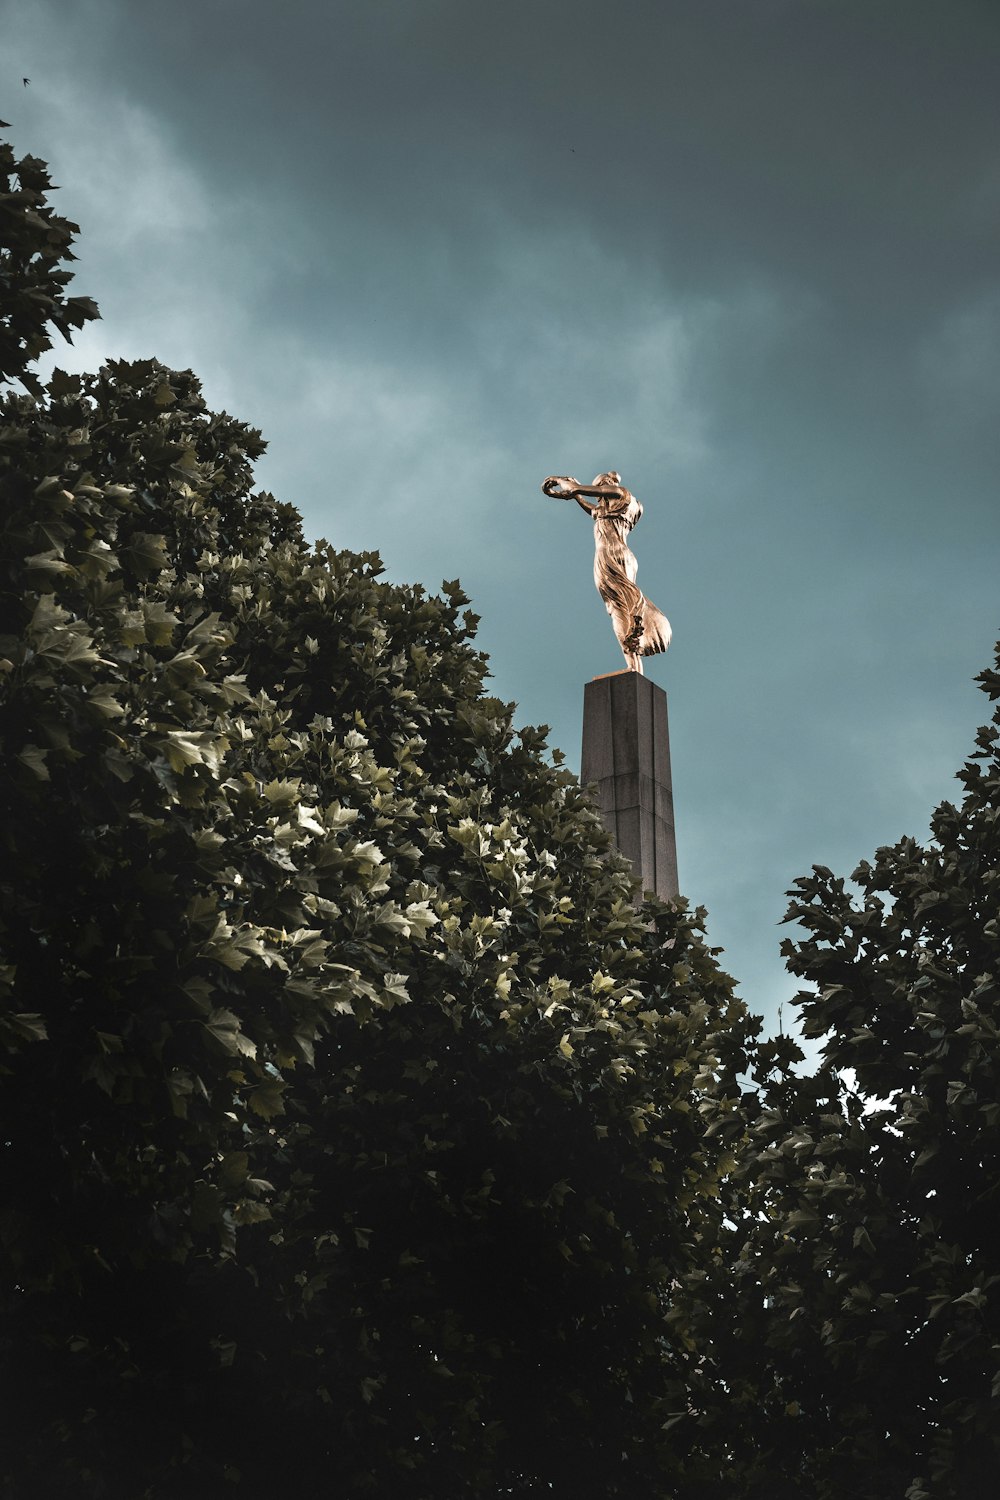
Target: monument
626	745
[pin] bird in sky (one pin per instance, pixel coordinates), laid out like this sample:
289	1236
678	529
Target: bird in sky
25	81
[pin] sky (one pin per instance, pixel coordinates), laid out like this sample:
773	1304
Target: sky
743	251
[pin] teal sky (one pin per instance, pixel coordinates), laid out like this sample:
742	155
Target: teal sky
743	251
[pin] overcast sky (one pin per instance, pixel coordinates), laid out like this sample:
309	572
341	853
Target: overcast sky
743	251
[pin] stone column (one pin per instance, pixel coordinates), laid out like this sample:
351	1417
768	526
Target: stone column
626	755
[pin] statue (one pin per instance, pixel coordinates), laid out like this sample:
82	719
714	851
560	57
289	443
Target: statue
640	627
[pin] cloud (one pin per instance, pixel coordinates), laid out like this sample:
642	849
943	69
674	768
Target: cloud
155	247
959	362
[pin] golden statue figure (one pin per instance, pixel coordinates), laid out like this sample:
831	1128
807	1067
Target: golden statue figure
640	627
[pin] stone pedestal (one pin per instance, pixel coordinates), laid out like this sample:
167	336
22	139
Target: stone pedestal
626	755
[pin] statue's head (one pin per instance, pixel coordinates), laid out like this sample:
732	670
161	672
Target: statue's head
609	478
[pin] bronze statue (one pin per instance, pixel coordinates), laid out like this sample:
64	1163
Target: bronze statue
640	627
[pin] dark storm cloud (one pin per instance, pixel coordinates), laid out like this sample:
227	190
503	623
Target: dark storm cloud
423	176
805	139
743	250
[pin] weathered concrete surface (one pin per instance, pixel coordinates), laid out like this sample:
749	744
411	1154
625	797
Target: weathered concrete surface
626	755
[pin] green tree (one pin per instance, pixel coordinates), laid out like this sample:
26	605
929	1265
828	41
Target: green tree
35	246
870	1268
358	1130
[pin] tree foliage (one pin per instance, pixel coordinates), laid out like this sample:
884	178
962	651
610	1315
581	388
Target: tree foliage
358	1127
869	1264
35	246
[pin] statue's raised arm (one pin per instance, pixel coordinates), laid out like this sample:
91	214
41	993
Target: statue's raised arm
641	629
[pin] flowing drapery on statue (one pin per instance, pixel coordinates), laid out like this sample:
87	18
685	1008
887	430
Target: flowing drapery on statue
641	629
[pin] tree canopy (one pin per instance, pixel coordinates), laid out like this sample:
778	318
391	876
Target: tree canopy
356	1120
866	1254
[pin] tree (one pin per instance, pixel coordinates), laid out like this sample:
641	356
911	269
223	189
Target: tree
35	245
870	1265
358	1126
